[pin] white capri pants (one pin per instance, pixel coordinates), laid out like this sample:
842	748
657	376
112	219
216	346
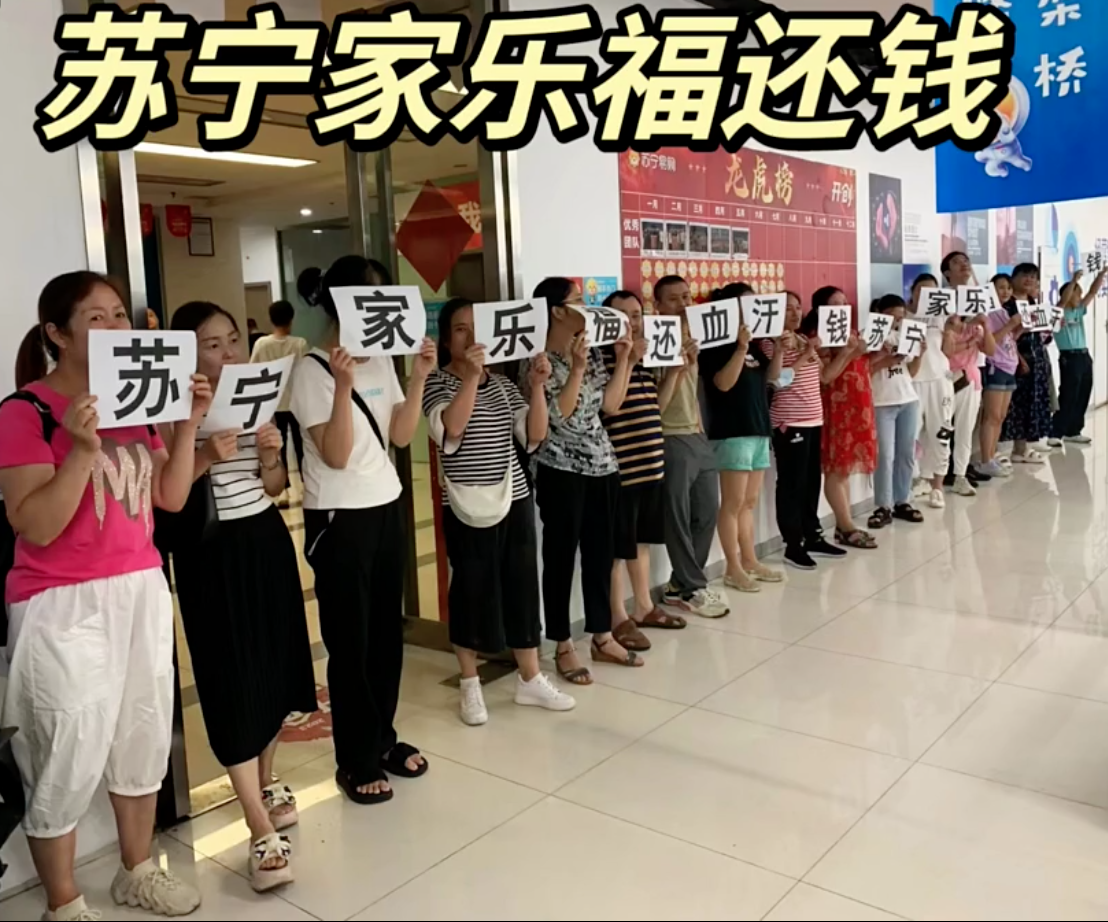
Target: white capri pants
936	412
90	689
967	403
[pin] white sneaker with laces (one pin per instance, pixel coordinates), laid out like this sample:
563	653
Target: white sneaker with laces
77	911
1078	439
963	487
154	889
710	603
472	708
540	692
936	500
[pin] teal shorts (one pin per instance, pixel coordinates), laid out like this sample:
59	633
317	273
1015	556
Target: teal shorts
747	453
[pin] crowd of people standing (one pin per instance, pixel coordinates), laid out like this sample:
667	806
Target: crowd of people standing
615	457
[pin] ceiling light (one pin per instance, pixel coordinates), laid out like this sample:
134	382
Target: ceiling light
317	231
198	153
305	212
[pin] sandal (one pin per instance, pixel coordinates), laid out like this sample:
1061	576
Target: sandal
663	621
348	786
578	676
266	849
879	518
907	513
600	655
395	761
274	797
744	582
862	540
764	574
1031	457
629	635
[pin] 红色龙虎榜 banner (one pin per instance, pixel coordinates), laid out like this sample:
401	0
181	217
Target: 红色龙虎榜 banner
1052	118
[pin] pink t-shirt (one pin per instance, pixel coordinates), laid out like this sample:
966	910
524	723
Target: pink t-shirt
112	531
966	361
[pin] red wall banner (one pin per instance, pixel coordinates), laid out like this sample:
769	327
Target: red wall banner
769	220
178	219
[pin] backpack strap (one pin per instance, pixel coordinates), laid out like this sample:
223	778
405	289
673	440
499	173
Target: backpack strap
357	398
49	424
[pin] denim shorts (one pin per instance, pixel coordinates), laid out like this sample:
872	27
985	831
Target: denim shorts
744	453
997	380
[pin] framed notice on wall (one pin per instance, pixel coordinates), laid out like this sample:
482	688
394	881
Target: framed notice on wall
201	238
769	220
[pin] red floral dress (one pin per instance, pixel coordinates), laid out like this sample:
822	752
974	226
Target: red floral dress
849	443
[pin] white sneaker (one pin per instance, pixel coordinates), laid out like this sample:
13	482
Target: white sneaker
963	487
473	710
1056	443
920	487
76	911
704	602
1078	439
540	692
155	890
936	500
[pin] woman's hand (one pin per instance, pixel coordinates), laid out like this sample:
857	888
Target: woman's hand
744	337
201	399
223	446
580	353
474	363
269	445
342	367
81	422
787	340
426	360
539	372
623	345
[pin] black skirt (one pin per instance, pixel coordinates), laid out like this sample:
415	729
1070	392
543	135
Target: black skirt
243	611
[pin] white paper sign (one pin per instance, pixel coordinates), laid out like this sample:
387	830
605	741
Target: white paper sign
1040	318
714	324
877	330
764	315
974	300
1057	318
663	341
1027	314
1093	262
141	377
510	330
248	395
913	334
834	325
937	302
380	319
604	325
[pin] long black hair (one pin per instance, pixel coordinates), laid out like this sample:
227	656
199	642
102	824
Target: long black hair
446	316
314	285
809	326
556	290
194	314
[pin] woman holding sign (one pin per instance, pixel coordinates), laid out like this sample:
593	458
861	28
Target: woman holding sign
242	605
352	410
477	419
90	646
577	480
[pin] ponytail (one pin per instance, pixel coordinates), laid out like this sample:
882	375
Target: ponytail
30	362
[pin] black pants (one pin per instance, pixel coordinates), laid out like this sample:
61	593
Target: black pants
799	478
494	581
358	559
1076	388
287	425
577	511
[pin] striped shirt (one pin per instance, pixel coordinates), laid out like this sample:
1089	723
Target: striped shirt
636	428
799	404
237	482
486	448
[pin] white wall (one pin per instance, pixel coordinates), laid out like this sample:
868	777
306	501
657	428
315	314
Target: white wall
41	236
261	258
568	217
218	278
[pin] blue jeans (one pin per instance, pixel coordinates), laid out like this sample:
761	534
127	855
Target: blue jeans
896	453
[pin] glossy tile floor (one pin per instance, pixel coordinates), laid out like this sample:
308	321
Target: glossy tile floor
918	732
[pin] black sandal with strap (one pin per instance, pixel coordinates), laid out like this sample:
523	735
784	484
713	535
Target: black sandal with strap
880	517
350	788
395	761
907	513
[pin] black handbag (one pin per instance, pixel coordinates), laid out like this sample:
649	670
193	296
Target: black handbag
197	522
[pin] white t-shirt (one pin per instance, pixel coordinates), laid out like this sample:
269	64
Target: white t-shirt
893	386
934	366
369	479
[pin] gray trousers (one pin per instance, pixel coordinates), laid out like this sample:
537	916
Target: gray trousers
692	504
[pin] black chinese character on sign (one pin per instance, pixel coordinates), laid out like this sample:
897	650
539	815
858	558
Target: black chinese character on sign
838	328
938	302
1040	319
717	326
1094	262
384	320
663	346
975	302
607	327
146	358
268	385
877	331
765	309
914	335
509	332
